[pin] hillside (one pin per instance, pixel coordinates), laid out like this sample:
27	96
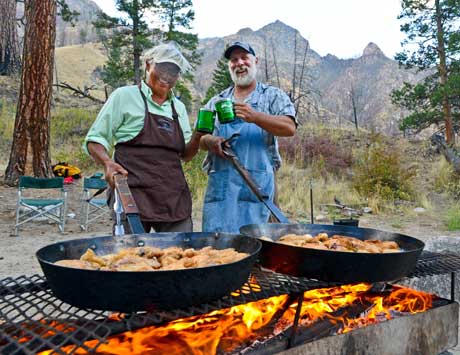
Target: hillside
79	66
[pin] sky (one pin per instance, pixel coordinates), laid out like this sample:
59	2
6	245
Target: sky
339	27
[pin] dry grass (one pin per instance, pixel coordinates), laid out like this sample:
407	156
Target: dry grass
294	192
76	64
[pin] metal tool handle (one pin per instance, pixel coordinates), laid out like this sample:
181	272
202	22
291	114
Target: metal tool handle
275	211
128	205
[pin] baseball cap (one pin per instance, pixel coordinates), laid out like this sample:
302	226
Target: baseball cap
238	44
167	53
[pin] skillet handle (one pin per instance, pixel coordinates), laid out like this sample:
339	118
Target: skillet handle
126	198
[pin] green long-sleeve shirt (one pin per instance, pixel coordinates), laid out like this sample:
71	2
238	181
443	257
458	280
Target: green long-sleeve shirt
122	116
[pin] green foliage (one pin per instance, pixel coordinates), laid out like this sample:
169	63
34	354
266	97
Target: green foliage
184	94
66	13
453	218
118	70
7	116
178	15
221	79
68	129
436	50
380	172
197	179
130	35
446	180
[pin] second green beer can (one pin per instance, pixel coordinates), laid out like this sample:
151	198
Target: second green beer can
224	109
205	121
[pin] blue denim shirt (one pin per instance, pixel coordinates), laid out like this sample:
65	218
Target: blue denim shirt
229	203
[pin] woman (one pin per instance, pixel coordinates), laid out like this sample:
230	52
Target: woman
149	128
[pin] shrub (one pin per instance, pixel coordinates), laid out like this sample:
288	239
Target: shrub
68	123
318	151
7	116
453	218
446	180
380	172
196	178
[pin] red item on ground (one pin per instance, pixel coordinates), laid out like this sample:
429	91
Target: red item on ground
68	180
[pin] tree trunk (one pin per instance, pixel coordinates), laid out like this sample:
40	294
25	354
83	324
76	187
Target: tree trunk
449	153
353	100
30	149
450	138
137	51
10	60
276	65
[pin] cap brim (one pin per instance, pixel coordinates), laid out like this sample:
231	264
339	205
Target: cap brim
230	49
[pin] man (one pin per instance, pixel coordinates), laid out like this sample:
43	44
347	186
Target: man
149	129
262	112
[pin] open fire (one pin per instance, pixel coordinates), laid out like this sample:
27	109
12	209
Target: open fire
230	329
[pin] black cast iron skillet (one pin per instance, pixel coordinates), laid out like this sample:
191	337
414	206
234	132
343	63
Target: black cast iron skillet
127	291
334	265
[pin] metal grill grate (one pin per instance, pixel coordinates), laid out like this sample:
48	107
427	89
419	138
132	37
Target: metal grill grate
430	264
32	319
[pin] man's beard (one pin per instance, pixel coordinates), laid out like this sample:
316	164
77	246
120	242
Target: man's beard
245	79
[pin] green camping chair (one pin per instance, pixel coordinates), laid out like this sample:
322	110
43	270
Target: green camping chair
92	208
30	208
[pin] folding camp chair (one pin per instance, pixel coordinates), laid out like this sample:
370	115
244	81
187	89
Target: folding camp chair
92	208
32	207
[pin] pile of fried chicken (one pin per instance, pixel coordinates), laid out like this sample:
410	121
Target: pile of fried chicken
152	259
338	243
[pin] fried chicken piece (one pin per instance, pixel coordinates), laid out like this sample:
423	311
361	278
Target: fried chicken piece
320	237
175	252
203	260
294	239
132	263
149	252
78	264
188	253
91	257
226	256
389	244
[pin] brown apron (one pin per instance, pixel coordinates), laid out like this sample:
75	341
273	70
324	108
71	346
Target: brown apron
155	175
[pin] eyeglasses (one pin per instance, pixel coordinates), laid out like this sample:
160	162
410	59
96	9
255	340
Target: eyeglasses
167	72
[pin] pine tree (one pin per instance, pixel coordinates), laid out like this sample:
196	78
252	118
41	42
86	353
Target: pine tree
10	60
434	28
178	15
221	79
130	37
30	153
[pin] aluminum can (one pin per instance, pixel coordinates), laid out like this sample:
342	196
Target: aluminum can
224	109
205	121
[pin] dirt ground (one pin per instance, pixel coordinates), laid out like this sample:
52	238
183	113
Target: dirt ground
17	254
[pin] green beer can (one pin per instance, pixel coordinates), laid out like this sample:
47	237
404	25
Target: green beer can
224	109
205	121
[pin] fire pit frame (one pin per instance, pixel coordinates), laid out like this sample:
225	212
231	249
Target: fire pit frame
28	300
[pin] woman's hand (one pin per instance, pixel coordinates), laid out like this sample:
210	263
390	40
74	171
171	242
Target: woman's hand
110	169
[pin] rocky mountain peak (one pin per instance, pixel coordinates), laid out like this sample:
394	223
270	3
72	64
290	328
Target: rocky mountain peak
277	26
245	32
372	50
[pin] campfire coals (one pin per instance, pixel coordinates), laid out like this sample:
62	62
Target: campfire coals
337	309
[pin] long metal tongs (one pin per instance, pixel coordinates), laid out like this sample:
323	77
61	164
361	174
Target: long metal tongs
124	202
275	211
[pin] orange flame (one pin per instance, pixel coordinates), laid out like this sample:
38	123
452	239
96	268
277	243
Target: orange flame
43	329
227	329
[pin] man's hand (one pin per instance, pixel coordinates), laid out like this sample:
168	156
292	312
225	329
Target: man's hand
214	144
110	169
245	112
